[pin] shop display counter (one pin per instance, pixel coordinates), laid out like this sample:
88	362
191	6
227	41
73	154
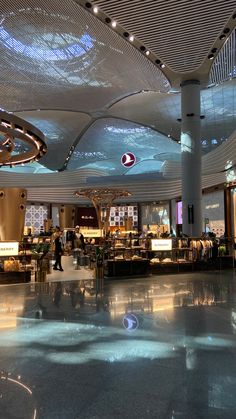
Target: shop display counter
126	268
171	267
15	277
15	265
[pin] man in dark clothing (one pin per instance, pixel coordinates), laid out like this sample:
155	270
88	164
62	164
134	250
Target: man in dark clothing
58	252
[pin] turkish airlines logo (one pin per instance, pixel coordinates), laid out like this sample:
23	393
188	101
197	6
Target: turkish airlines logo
130	322
128	159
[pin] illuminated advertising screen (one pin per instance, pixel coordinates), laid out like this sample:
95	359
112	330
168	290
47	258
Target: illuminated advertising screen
179	217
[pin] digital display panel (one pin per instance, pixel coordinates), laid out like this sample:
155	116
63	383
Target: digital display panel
179	215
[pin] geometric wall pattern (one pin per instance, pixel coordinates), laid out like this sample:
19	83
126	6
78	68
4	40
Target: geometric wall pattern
119	214
35	216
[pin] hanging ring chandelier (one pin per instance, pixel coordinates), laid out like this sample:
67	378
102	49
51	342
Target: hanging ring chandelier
20	141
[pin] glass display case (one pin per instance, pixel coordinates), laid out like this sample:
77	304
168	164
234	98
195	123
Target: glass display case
15	264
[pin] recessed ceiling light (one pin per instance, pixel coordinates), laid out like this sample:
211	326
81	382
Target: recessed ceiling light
95	9
210	56
131	38
223	36
113	24
147	52
162	65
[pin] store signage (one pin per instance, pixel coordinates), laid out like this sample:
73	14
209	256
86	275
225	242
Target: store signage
128	159
9	248
161	244
130	322
92	233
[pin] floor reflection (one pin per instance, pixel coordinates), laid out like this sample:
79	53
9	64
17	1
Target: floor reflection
165	346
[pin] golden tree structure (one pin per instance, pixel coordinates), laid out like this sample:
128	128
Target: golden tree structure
102	198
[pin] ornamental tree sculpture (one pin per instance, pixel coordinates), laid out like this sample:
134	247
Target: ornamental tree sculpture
102	198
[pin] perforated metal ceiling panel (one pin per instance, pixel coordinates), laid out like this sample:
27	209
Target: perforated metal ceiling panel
180	32
104	143
220	160
61	129
56	55
224	66
161	111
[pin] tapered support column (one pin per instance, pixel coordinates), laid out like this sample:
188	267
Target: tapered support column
191	158
67	216
12	213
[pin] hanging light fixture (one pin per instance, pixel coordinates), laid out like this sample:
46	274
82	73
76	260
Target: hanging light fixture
20	141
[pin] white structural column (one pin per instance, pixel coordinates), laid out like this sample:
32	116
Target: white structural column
191	158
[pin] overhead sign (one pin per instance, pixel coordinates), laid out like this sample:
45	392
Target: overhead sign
9	248
128	159
161	244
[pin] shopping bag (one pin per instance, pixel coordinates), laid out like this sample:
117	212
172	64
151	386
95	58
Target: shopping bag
11	265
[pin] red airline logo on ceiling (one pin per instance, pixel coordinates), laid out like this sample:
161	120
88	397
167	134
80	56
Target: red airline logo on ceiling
128	160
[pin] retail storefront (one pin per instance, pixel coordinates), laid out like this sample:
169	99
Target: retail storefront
156	217
213	213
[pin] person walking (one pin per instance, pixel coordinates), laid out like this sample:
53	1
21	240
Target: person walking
58	251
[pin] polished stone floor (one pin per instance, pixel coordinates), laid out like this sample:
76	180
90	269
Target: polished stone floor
160	347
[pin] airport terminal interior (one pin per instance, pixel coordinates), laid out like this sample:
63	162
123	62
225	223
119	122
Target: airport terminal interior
117	209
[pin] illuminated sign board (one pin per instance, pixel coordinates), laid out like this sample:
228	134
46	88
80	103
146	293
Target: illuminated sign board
92	233
9	248
161	244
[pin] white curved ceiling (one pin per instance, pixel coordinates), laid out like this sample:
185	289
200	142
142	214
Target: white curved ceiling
161	111
56	55
224	65
180	32
220	160
61	130
59	58
142	191
140	123
104	143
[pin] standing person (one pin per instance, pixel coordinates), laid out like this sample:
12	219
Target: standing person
79	239
58	251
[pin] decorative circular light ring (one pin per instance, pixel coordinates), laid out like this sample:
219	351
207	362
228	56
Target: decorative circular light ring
13	128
